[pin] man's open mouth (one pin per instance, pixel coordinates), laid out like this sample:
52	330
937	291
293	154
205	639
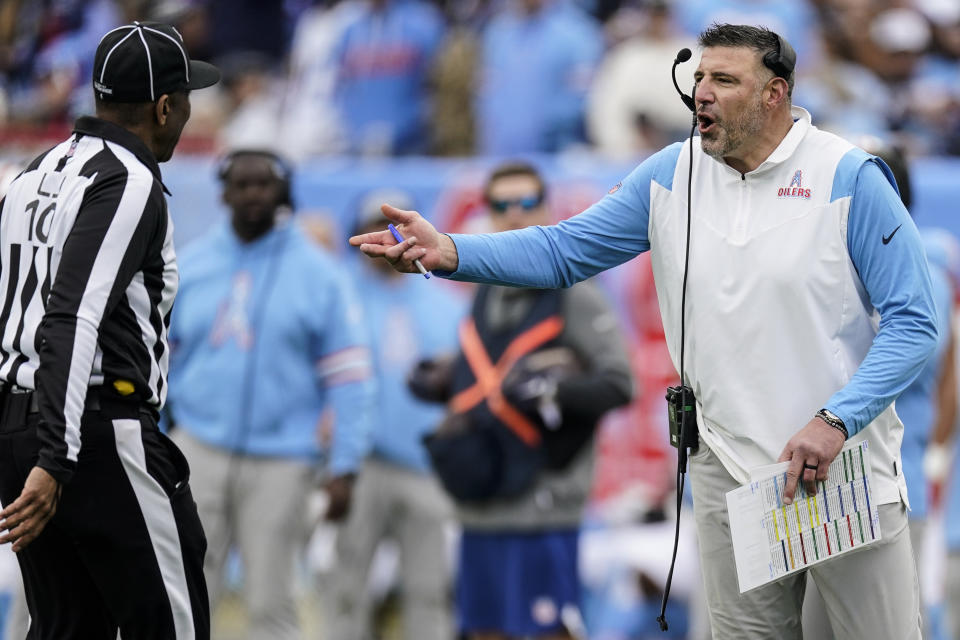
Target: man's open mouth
705	122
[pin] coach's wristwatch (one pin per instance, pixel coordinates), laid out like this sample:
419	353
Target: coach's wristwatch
833	420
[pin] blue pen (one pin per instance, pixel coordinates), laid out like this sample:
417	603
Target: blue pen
396	234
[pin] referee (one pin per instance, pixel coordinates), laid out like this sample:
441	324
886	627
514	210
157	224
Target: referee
98	507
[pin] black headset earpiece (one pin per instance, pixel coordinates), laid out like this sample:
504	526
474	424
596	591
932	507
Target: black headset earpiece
281	168
783	60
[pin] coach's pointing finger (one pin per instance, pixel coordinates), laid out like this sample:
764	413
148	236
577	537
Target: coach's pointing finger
435	250
399	216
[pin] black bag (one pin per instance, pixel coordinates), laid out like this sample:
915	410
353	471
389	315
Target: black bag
479	462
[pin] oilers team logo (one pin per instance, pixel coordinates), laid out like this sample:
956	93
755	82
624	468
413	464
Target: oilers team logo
795	190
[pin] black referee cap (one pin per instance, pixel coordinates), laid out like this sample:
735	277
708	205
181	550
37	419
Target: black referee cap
140	62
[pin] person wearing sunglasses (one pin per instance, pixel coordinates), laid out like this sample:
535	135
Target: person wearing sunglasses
558	361
526	204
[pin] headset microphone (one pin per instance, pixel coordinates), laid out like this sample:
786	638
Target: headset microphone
682	56
681	402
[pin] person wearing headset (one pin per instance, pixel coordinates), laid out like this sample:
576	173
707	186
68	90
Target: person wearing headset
807	308
267	337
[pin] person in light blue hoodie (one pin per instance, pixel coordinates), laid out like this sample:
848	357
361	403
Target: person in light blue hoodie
270	376
397	494
537	59
383	57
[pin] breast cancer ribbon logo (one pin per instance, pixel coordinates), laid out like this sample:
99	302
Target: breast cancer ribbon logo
233	320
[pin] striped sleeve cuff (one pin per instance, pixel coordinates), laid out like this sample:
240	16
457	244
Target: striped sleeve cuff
352	364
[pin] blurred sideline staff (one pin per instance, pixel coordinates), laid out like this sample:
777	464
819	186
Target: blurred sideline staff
928	406
267	336
397	495
537	369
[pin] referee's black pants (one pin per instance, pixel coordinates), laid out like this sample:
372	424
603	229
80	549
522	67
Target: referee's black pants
125	547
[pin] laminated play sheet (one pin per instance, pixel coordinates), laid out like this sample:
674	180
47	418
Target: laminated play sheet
772	539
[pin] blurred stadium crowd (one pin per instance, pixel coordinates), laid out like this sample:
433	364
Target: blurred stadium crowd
464	77
318	81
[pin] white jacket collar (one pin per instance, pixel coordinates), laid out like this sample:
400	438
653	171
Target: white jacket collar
790	142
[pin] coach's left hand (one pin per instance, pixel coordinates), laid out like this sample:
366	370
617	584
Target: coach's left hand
810	452
25	518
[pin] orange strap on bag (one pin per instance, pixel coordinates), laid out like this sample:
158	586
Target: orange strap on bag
489	377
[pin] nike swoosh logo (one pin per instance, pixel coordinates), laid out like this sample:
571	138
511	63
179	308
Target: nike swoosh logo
887	239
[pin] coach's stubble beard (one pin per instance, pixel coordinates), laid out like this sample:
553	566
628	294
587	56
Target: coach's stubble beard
732	133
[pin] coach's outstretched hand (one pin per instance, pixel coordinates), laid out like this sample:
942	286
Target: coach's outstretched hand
23	520
422	241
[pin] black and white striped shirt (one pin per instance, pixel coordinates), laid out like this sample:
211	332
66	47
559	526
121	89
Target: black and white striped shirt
88	276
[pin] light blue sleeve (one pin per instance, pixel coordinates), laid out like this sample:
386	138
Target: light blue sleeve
342	351
608	233
943	300
938	245
885	247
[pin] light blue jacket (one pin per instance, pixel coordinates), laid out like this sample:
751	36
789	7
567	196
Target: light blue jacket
265	336
383	60
916	406
409	318
534	76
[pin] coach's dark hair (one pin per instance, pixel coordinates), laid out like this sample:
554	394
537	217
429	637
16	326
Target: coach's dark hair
514	168
760	39
280	168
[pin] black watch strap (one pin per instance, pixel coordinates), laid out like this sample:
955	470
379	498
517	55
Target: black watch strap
833	420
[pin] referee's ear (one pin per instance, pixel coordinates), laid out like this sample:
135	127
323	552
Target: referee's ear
162	109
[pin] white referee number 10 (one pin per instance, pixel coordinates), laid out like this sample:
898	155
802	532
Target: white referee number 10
40	225
42	209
